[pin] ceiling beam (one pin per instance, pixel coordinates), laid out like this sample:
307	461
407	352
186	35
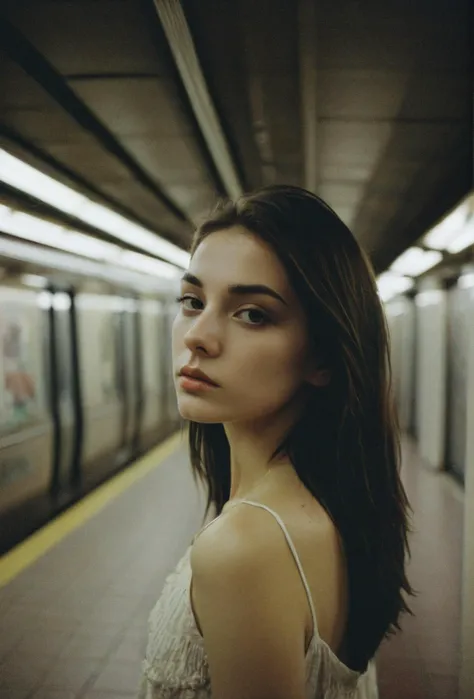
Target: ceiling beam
36	156
182	47
308	90
25	54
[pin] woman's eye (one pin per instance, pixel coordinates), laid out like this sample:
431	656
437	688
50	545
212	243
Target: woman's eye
253	316
250	316
190	303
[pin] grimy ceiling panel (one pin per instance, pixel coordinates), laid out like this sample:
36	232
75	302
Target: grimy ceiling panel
135	106
404	66
47	127
90	37
392	93
135	96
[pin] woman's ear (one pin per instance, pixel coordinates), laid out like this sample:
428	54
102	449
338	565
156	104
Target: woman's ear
319	377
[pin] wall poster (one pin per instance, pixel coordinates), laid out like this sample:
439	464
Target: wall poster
18	394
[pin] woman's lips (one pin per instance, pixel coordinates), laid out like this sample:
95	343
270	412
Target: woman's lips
190	383
196	374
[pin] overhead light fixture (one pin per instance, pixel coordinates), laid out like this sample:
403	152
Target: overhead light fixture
72	264
28	179
101	217
32	228
445	233
415	261
128	232
26	252
149	265
464	239
36	230
86	245
466	281
390	285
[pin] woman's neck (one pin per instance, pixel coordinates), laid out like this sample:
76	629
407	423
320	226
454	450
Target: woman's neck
251	450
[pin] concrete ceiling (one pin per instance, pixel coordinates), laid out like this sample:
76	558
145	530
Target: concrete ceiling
367	103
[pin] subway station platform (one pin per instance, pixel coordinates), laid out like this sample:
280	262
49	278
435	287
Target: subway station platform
75	597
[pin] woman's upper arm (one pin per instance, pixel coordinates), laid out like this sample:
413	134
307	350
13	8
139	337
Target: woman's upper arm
253	630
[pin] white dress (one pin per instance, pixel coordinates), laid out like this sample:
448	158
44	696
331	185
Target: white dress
175	666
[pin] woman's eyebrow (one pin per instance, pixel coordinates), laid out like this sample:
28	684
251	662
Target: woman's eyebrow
191	279
255	289
238	289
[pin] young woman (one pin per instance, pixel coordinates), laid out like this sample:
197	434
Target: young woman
281	363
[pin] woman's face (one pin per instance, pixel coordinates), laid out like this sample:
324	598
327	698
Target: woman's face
241	324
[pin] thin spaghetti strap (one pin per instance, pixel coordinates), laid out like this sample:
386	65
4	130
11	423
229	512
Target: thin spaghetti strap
208	525
295	556
203	528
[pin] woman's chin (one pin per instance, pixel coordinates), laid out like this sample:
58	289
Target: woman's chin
198	413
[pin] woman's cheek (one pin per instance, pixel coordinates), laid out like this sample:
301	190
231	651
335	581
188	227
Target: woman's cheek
178	333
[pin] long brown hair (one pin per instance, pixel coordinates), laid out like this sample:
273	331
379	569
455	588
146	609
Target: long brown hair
345	448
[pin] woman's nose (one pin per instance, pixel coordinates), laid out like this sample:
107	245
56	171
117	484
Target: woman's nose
203	336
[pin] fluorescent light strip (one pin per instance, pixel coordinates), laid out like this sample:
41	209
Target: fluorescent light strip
442	235
466	281
149	265
48	258
464	239
37	230
415	261
28	179
119	276
390	285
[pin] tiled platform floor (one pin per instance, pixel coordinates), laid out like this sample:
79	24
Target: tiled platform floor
73	625
423	661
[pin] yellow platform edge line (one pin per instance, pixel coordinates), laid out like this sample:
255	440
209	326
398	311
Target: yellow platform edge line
39	543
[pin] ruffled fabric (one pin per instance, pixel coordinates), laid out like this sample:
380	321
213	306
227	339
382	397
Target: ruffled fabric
176	667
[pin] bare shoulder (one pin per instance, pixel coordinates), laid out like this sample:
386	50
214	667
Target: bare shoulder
254	640
246	539
242	536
